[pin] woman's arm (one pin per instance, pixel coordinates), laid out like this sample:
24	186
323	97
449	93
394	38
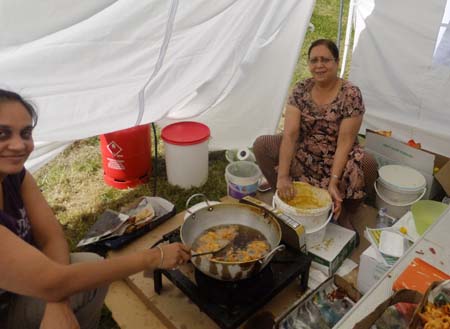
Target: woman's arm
25	270
348	131
49	238
47	231
288	141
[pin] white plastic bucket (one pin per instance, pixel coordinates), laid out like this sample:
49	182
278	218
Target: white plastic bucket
316	236
394	209
310	221
400	184
186	152
313	236
242	178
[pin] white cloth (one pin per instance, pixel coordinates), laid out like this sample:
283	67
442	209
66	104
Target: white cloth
94	67
404	88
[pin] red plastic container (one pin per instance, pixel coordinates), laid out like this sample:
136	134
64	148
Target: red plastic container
126	157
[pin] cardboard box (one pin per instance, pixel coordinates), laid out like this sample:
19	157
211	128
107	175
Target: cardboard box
443	177
338	243
388	150
370	270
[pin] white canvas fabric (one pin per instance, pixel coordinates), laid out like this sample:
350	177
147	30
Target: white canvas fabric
398	64
93	67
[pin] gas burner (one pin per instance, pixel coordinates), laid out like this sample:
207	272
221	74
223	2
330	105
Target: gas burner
230	304
230	294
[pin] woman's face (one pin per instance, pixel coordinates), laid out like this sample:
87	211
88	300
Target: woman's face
16	141
322	64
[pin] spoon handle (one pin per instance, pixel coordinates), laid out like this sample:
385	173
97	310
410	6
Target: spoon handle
203	253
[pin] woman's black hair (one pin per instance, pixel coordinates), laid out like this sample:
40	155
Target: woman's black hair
10	96
327	43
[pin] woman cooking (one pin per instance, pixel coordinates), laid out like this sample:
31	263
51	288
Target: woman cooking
38	287
319	143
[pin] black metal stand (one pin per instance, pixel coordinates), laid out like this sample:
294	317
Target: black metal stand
286	266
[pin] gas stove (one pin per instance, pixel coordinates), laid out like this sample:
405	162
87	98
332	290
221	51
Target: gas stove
230	304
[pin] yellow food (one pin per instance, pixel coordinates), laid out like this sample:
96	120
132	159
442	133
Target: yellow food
309	197
436	317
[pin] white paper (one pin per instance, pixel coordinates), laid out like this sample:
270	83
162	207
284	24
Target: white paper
392	244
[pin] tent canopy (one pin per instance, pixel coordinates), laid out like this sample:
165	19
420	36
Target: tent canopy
93	67
401	62
110	65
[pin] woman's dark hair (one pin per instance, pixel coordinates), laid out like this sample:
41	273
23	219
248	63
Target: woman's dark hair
10	96
327	43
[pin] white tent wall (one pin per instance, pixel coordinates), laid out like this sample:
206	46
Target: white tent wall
250	101
404	89
115	64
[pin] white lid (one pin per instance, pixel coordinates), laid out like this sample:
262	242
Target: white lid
402	177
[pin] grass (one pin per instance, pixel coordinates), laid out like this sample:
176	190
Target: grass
73	182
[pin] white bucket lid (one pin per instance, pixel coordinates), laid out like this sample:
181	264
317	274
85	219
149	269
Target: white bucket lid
402	177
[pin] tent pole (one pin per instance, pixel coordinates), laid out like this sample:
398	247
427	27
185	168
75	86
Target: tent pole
348	33
341	13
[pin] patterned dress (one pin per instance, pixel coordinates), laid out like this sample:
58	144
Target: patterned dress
319	129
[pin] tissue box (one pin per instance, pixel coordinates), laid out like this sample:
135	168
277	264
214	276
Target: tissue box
370	270
338	243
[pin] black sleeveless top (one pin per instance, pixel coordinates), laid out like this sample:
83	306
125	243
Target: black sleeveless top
13	216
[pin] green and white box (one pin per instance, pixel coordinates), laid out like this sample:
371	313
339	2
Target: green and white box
338	243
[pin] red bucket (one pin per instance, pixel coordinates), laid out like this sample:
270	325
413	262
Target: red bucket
126	157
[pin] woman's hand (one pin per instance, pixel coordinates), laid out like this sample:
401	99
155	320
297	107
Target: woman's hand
174	255
285	188
333	189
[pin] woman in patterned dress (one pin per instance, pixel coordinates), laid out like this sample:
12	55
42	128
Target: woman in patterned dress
319	143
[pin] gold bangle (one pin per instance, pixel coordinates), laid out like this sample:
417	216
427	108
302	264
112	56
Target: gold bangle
161	252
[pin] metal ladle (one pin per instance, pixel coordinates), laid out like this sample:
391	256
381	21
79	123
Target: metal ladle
212	251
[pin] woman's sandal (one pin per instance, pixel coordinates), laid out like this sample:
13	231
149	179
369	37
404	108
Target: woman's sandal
263	185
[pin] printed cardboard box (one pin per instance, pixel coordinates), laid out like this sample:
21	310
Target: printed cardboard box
338	243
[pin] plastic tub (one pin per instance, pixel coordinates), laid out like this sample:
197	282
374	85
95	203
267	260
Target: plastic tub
186	151
242	178
400	184
394	209
311	219
316	236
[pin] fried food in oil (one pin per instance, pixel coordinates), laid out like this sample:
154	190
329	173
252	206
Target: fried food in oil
254	250
247	244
